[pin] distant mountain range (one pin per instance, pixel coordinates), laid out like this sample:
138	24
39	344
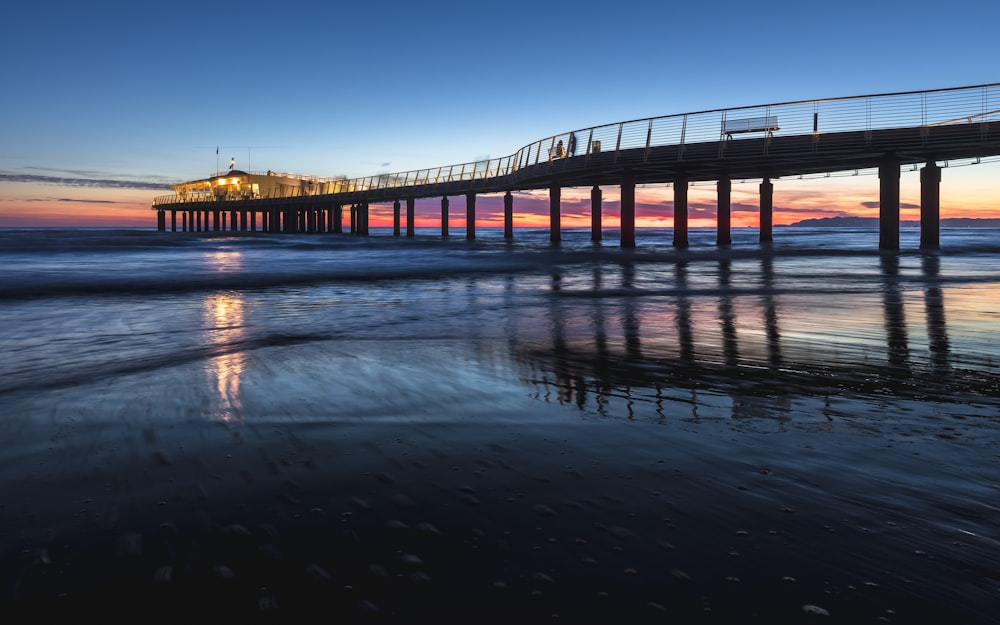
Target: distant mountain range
872	222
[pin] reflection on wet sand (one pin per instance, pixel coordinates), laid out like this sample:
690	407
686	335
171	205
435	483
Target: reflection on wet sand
895	317
728	338
224	319
770	312
937	330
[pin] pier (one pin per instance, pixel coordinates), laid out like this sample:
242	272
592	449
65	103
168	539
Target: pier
884	132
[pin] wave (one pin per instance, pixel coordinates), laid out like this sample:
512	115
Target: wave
42	263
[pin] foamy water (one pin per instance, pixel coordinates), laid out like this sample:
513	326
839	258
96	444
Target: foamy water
79	304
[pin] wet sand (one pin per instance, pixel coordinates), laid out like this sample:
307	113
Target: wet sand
420	481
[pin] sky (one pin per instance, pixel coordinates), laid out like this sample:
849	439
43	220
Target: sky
108	103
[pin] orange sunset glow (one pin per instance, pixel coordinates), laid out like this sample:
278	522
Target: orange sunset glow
967	191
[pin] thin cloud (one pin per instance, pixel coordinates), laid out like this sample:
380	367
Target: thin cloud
67	199
93	183
877	204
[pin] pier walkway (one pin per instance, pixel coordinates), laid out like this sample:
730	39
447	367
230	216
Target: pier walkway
885	132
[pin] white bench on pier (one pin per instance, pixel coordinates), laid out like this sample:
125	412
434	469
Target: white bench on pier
767	124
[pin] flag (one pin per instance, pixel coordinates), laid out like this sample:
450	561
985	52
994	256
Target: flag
216	150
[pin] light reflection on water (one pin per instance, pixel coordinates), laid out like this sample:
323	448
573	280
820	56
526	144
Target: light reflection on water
224	323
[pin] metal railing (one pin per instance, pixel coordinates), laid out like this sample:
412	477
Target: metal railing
979	103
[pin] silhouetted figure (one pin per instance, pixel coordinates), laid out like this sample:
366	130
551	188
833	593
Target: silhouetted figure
560	150
572	144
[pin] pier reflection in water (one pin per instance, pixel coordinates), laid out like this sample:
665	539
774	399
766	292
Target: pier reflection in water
730	330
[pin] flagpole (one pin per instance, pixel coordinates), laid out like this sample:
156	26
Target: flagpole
216	161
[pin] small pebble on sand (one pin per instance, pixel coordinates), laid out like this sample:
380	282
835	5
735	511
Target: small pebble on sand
815	610
544	510
163	574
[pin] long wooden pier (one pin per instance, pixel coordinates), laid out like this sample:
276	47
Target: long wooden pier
766	142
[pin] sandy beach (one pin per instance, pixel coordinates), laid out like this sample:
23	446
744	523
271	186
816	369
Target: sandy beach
489	504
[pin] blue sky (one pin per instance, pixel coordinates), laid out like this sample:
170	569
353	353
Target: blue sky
143	93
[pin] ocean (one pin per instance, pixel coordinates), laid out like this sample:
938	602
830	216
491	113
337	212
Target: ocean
393	429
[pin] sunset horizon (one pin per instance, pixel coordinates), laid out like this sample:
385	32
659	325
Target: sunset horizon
50	201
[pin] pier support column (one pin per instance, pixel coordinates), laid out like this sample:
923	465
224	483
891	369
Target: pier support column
173	221
253	221
596	231
555	225
470	215
724	224
766	211
680	211
184	221
628	208
930	206
444	216
243	221
508	215
338	219
232	219
888	210
354	218
161	220
215	221
395	218
363	215
411	228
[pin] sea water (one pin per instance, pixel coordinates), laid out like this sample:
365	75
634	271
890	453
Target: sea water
80	304
867	378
